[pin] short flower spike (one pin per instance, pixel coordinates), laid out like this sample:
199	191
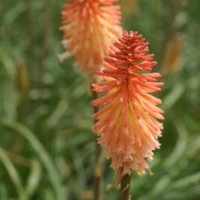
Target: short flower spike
127	122
89	27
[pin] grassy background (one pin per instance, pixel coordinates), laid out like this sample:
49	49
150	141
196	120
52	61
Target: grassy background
46	143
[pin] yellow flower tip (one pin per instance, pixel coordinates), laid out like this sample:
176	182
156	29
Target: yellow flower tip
63	56
149	171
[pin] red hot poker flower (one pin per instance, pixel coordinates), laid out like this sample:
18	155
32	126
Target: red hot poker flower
127	123
89	27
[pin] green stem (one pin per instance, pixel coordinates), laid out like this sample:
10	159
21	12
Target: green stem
125	186
98	162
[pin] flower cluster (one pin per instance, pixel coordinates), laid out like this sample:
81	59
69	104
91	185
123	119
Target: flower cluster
89	27
127	123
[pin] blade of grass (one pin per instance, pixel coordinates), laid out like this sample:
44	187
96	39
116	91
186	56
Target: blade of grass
180	146
173	96
3	192
187	181
43	155
13	174
34	178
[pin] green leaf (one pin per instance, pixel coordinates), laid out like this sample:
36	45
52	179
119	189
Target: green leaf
173	96
180	147
42	154
34	178
3	192
13	174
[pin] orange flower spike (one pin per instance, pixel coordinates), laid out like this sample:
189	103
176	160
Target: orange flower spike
127	123
89	27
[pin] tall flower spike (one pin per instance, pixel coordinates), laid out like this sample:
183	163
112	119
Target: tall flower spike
127	123
90	27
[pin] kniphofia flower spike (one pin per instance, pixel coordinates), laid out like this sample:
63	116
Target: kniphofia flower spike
127	123
90	27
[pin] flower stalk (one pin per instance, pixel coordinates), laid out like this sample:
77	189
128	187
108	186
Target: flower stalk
125	187
89	27
98	170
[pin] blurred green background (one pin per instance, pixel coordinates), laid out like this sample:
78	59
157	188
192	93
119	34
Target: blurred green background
46	143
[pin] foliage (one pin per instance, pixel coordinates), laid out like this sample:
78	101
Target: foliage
47	146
